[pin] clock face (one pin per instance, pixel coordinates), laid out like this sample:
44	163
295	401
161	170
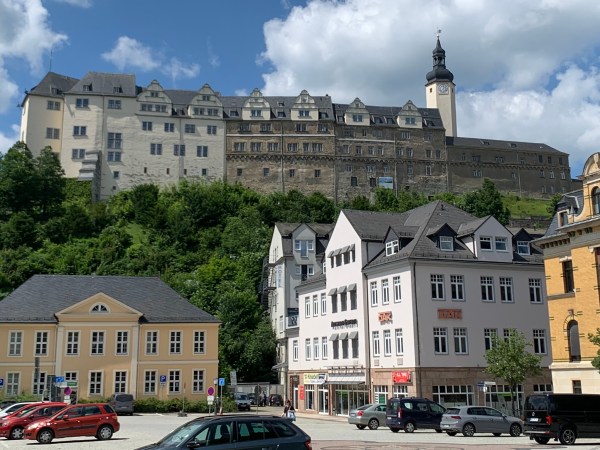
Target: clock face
443	88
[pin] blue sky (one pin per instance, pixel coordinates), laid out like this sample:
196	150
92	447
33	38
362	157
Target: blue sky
525	71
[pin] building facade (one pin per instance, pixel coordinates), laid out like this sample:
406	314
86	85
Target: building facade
407	306
106	335
571	249
116	134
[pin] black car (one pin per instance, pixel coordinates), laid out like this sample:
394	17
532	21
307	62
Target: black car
411	413
275	400
563	417
236	431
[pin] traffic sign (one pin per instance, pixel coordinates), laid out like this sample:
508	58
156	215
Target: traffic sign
68	391
163	379
211	390
210	399
221	381
1	383
59	379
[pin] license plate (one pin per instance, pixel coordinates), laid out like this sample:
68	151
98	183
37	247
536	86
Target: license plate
534	419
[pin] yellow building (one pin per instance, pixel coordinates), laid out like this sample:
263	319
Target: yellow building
571	249
105	335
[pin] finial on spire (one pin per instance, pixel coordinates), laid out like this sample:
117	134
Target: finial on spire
438	32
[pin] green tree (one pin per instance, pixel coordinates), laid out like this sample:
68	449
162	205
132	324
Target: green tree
595	339
486	201
386	200
508	359
553	202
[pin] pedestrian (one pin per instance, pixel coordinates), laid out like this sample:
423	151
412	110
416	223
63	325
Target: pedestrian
289	411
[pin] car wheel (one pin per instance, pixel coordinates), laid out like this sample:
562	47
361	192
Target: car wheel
361	427
438	430
373	424
468	430
497	434
104	432
16	433
567	436
541	440
45	436
394	430
515	430
451	433
409	427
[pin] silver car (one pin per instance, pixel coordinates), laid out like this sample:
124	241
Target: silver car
371	416
469	420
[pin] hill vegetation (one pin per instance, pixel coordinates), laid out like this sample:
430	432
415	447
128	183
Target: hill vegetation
207	241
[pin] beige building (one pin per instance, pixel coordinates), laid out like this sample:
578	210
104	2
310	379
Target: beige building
571	249
105	335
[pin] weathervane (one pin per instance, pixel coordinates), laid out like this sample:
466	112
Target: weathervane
438	32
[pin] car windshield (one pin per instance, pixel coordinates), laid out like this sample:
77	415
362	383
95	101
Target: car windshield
25	411
242	396
181	434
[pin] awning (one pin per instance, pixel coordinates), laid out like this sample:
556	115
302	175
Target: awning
352	287
332	291
353	335
345	249
341	290
334	337
337	252
346	379
343	336
330	254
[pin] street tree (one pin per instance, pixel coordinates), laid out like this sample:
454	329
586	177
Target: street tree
509	360
595	339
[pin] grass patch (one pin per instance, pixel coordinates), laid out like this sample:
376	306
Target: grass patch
522	208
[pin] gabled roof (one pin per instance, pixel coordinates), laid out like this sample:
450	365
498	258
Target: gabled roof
468	228
278	103
53	85
40	297
431	116
105	84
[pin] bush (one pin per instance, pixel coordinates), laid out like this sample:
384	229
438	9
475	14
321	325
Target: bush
173	405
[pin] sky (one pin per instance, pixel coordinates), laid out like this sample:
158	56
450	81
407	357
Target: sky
524	70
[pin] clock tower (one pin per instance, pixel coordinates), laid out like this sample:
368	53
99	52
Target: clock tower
440	90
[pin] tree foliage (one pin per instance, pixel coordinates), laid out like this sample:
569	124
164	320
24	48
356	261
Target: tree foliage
486	201
508	359
595	339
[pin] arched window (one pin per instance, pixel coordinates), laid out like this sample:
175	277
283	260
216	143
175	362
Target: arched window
573	336
99	308
596	201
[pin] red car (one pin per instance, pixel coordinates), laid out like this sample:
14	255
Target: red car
13	426
91	419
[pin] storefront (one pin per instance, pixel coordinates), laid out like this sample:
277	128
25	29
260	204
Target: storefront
349	391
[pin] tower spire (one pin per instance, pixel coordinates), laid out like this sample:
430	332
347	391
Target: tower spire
439	72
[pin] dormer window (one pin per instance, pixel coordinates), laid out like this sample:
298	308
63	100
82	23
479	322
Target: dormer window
523	247
563	218
256	113
446	243
596	201
357	118
500	243
99	308
304	113
304	247
87	88
485	243
392	247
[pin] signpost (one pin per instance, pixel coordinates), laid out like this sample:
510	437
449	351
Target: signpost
1	383
163	379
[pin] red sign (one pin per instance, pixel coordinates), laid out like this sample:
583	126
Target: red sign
401	376
449	313
301	391
385	316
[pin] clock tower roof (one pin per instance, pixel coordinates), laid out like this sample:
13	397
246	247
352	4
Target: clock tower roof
439	72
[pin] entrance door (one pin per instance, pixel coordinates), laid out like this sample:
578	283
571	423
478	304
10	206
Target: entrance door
323	400
342	407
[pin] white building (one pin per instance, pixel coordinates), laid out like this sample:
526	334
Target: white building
408	305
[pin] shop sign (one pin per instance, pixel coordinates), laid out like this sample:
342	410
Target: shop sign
346	322
301	392
294	379
315	378
401	376
385	316
449	313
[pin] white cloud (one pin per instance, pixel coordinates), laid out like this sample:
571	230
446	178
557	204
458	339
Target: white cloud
129	52
8	91
79	3
213	58
176	69
523	69
7	140
241	92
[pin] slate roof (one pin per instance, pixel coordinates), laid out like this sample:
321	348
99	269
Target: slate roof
53	85
322	231
431	117
572	201
277	103
499	144
40	297
104	84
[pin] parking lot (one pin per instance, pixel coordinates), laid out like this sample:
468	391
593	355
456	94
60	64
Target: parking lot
328	433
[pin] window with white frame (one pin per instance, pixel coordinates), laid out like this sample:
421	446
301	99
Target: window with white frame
334	303
41	343
506	289
199	342
15	343
345	354
387	342
324	349
460	341
437	287
446	243
315	305
97	343
175	342
13	387
39	383
487	289
306	306
485	243
523	247
376	343
150	382
440	340
385	292
457	288
174	381
198	381
392	247
399	391
353	302
151	342
316	347
95	387
336	349
307	348
539	342
72	343
323	304
354	347
295	352
397	289
120	382
500	243
343	301
488	337
122	342
374	299
535	290
399	341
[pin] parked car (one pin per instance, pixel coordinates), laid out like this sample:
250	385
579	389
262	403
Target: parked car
13	426
238	431
412	413
10	409
5	403
91	419
563	417
275	400
242	401
122	403
252	398
371	416
469	420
